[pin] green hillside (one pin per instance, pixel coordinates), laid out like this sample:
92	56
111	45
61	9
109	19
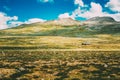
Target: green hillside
54	36
45	30
58	30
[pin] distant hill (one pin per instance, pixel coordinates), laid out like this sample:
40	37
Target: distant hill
102	24
66	27
63	22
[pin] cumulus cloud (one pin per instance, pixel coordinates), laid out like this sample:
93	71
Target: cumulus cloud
79	2
8	22
4	20
95	9
114	5
29	21
45	1
15	23
34	20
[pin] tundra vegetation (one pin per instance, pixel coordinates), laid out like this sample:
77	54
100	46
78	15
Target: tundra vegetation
60	65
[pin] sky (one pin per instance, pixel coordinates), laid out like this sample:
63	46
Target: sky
16	12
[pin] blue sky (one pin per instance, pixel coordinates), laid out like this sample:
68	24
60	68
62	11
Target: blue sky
26	9
16	12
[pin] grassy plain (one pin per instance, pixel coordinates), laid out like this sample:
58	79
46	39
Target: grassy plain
58	42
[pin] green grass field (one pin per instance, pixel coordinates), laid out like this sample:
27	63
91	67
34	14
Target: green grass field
58	42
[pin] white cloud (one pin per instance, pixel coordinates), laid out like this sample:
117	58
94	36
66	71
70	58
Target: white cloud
64	15
44	1
34	20
4	19
95	10
15	23
114	5
8	22
79	2
29	21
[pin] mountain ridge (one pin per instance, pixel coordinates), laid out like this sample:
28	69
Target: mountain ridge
66	27
63	22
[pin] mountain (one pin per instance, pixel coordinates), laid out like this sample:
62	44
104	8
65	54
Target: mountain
99	20
67	21
102	24
63	22
66	27
63	27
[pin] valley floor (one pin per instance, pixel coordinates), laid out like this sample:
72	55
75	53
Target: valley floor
98	42
60	58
